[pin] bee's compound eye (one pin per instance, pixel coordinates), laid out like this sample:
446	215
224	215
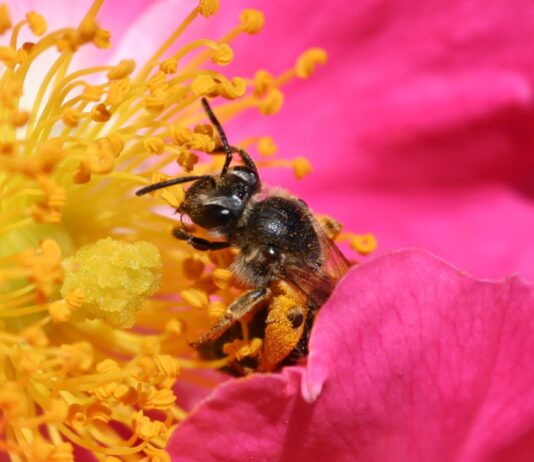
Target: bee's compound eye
295	317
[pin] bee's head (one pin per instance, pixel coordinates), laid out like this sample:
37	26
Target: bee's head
217	203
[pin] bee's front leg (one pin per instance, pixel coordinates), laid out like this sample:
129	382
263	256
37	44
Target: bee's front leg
246	304
199	243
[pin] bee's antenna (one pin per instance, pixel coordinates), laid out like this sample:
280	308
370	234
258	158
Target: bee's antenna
222	135
167	183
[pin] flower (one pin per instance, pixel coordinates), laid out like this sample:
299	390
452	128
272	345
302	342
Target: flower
411	359
96	297
419	128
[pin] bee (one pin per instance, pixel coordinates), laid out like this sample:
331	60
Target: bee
285	258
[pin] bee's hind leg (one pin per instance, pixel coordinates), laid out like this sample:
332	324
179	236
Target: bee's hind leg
246	304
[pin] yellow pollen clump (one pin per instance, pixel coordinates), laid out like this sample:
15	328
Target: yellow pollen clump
126	274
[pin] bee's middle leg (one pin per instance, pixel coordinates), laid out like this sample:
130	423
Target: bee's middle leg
246	304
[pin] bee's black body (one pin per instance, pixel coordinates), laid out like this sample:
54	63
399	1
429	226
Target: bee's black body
278	240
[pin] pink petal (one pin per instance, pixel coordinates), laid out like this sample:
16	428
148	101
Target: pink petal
410	360
413	93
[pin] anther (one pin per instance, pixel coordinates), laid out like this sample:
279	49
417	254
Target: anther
266	146
301	167
169	66
156	102
263	82
252	21
208	7
308	61
71	116
222	277
19	118
121	70
187	160
37	23
232	89
154	145
364	244
272	102
91	93
145	428
223	55
216	311
5	20
9	56
204	85
102	38
195	297
100	113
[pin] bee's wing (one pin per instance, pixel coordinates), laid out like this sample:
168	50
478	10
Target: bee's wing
318	284
336	264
